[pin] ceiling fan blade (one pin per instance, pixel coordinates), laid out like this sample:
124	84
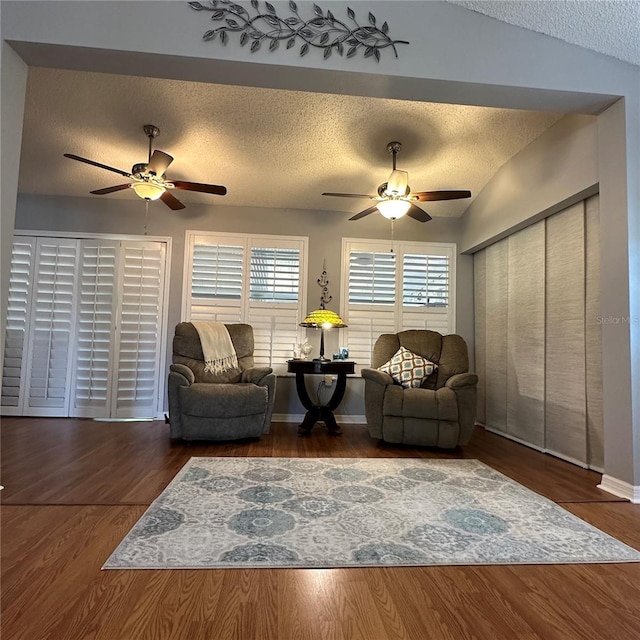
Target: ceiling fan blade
159	162
366	212
118	187
216	189
348	195
432	196
418	214
171	201
126	174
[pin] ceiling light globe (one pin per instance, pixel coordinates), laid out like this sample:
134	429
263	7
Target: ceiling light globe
148	190
393	209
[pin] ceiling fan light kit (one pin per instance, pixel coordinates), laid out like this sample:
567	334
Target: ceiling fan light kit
393	209
147	178
148	190
395	198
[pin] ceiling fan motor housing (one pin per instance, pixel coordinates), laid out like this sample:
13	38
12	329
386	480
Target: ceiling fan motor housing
139	169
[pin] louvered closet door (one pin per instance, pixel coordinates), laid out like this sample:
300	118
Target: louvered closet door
139	329
96	298
16	329
51	328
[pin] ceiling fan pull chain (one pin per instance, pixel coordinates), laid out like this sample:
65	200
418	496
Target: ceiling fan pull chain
392	232
146	216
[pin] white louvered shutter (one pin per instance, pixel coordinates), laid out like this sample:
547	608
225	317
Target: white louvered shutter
274	302
51	328
216	282
139	329
256	279
425	292
386	292
371	298
96	298
20	281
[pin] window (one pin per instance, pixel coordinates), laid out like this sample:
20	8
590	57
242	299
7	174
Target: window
257	279
385	292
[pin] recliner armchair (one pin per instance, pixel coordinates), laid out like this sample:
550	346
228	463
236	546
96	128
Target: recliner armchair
441	412
226	406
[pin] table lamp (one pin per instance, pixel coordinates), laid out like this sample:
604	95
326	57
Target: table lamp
323	319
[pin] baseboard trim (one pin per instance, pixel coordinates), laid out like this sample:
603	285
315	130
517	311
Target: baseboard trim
299	417
510	437
551	452
620	488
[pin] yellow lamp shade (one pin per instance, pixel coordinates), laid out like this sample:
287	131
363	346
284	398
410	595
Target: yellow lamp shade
323	318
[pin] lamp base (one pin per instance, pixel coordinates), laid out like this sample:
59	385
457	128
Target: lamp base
321	359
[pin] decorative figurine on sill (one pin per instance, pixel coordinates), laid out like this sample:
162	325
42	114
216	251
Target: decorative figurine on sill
301	350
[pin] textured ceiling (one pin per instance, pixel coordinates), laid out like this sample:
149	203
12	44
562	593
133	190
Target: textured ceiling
609	27
270	148
283	149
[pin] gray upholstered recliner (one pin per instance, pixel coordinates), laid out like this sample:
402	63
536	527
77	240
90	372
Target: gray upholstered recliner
440	413
204	406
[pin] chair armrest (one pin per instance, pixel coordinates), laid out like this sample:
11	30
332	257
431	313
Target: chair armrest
460	380
377	376
255	375
183	370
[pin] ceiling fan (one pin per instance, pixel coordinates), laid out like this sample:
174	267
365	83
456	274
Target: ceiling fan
148	179
395	198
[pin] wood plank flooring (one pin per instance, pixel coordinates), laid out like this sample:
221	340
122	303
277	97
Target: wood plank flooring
75	487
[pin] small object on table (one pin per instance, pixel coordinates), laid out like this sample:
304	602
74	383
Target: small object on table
320	412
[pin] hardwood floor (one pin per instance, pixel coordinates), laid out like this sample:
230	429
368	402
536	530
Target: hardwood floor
75	487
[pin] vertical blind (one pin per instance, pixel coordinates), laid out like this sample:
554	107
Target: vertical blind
386	292
538	341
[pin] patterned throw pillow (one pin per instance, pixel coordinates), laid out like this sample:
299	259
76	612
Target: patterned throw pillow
408	369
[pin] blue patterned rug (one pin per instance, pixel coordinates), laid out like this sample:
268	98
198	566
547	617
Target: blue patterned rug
328	512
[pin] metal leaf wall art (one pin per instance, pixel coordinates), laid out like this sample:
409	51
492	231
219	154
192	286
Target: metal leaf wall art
322	31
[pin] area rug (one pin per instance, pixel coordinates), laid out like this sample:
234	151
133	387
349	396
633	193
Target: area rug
328	512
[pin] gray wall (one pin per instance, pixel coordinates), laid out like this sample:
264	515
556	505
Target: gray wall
12	92
553	172
325	229
500	65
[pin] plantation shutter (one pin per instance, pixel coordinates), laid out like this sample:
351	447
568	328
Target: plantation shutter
425	291
51	327
274	285
371	301
139	337
216	281
20	281
256	279
387	292
95	328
